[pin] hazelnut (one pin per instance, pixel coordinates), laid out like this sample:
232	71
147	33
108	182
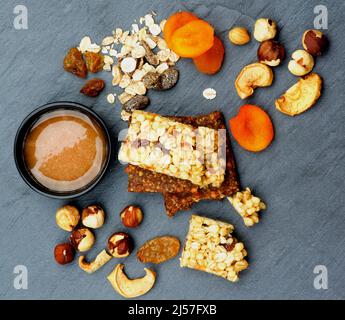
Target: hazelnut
265	29
239	36
82	239
271	53
301	64
315	42
67	217
93	217
131	216
64	253
120	245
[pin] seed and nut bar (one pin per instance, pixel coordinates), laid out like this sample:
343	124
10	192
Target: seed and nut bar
210	247
248	206
179	150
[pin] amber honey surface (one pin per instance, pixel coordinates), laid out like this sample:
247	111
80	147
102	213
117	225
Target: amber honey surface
65	150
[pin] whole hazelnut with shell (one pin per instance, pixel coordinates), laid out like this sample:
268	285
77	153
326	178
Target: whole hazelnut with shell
67	217
131	216
265	29
93	217
82	239
120	245
271	53
64	253
315	42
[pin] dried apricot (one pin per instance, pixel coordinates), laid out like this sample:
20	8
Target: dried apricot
211	61
74	63
94	61
93	87
193	39
252	128
175	22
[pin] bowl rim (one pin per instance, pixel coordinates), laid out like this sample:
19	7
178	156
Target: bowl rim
30	119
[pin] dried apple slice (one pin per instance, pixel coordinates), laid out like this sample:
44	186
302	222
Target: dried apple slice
131	288
253	76
301	96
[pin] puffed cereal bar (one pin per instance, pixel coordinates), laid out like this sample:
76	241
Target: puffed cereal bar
210	247
179	150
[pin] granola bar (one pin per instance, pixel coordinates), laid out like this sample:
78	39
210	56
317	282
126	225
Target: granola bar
210	247
180	194
175	149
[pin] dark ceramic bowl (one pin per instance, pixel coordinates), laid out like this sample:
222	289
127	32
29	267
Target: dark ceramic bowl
25	128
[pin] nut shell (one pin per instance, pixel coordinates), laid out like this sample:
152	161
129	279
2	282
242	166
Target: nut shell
315	42
271	53
67	217
120	245
239	36
64	253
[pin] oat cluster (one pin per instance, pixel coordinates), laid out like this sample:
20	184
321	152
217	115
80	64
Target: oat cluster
248	206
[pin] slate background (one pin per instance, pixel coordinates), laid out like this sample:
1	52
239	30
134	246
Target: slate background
300	176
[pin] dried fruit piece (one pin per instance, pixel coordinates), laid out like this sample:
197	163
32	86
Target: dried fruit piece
94	61
151	58
252	128
90	267
253	76
175	22
152	80
136	103
301	96
193	39
74	63
93	87
211	61
159	250
131	288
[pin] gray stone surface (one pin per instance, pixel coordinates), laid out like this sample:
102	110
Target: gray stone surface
300	176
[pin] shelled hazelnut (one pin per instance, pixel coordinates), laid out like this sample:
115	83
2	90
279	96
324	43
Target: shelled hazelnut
301	64
265	29
131	216
271	53
67	217
239	36
120	245
64	253
82	239
93	216
315	42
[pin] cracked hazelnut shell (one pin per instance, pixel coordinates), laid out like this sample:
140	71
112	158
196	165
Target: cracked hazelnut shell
120	245
271	53
64	253
82	239
93	217
131	216
315	42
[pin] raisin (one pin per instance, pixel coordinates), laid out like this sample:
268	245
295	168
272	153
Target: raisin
136	103
150	57
94	61
152	81
74	63
93	87
169	78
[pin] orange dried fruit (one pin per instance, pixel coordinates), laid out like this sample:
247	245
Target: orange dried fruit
175	22
74	63
211	61
193	39
94	61
252	128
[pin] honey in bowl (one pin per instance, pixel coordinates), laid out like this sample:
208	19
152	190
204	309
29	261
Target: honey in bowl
65	150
